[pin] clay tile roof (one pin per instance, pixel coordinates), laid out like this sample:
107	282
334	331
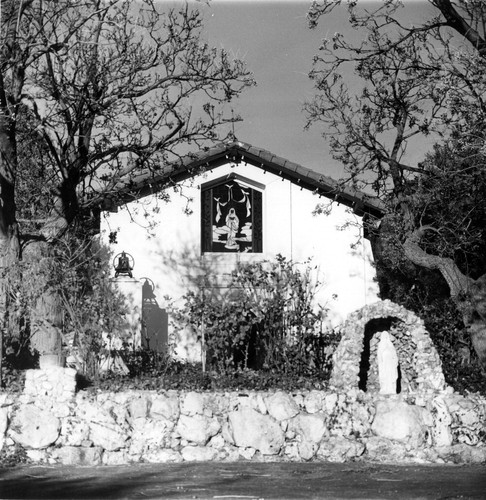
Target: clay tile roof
147	183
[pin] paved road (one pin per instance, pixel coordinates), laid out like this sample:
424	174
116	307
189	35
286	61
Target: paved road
247	480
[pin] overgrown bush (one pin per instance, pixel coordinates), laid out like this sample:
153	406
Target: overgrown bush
145	362
95	310
13	456
74	275
177	375
460	364
444	323
266	320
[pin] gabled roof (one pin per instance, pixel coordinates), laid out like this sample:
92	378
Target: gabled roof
145	184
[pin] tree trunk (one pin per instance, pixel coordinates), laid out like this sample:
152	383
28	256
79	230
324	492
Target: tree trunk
46	314
469	295
9	233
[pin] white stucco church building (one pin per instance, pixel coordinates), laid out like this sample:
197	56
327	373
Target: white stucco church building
228	204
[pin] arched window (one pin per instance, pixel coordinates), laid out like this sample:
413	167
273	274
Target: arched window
231	215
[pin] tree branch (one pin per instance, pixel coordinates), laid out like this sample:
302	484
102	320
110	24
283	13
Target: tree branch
458	23
458	282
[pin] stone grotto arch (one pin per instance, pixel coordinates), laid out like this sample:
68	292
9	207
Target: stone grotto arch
354	361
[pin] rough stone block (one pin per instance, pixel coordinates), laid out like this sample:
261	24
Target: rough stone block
441	431
74	455
463	454
61	408
138	408
34	428
385	450
162	456
230	454
165	407
198	428
466	435
400	421
330	401
115	458
307	450
310	427
291	451
6	399
340	449
281	406
74	432
252	429
198	454
247	453
313	402
37	456
150	434
193	404
92	411
217	442
109	438
468	416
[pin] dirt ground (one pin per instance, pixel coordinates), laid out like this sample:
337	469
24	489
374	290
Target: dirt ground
247	480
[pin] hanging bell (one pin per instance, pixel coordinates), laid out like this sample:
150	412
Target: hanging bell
123	265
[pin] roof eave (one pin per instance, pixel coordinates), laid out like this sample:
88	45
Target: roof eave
237	152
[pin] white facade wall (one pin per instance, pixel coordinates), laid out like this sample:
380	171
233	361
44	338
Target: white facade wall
170	253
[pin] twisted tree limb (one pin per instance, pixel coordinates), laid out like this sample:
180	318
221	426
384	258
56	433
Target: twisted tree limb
458	282
468	294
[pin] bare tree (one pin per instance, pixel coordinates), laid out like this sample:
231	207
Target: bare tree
111	88
15	55
125	91
419	84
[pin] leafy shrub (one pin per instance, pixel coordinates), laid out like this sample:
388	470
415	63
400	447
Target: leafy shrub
146	362
13	379
445	325
72	282
94	308
460	364
266	320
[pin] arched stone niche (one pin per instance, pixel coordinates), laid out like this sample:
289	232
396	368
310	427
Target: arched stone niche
354	361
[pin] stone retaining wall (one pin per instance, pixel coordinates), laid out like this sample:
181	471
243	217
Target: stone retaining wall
55	425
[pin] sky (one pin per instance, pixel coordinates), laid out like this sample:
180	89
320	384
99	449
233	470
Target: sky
273	38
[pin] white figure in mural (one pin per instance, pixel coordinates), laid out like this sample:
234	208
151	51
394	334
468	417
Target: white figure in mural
387	365
232	224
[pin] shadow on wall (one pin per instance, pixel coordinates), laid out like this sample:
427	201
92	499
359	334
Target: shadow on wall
155	320
210	276
186	270
193	271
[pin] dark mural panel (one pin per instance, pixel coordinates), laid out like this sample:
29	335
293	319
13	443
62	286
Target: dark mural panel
231	218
